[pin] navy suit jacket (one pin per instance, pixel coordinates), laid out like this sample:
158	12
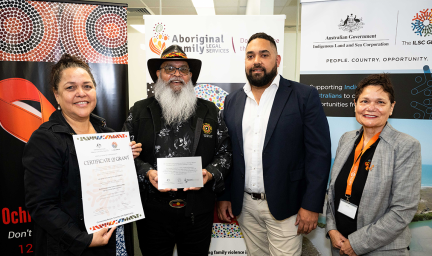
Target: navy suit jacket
296	155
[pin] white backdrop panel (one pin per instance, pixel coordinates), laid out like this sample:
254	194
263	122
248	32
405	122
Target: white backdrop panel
223	59
363	35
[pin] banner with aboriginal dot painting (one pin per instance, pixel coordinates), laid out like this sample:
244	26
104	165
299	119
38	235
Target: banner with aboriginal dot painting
43	31
33	36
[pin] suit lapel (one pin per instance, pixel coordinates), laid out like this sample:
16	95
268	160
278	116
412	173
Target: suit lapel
381	171
239	110
281	98
156	113
197	124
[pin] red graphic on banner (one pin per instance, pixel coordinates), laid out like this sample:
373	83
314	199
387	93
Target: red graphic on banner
17	119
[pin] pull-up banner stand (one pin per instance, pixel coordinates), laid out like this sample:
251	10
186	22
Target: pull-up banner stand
345	41
33	36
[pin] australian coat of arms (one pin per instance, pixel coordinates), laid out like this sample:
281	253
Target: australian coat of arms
351	23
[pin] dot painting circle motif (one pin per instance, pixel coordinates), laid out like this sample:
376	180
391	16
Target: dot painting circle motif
100	33
43	31
15	29
13	25
109	42
111	31
28	30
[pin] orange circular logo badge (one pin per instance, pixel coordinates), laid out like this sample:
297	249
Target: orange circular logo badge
207	129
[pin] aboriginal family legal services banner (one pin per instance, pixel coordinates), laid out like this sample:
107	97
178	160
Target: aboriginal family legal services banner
220	43
355	38
33	35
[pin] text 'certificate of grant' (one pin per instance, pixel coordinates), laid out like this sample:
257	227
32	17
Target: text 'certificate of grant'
179	172
109	183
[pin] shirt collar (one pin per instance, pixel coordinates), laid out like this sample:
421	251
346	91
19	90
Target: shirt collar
247	87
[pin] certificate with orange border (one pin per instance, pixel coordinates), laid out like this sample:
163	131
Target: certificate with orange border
109	184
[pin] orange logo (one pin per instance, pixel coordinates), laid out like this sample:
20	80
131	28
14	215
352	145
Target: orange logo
16	117
367	166
207	129
157	43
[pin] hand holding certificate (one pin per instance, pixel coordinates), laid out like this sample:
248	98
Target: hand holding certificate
109	182
180	172
207	176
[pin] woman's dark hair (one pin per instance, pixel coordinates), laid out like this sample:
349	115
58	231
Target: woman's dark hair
382	80
67	61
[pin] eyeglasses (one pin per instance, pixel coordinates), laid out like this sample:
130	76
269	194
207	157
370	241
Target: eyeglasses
171	70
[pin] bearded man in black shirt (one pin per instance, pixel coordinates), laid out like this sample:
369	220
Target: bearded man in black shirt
175	123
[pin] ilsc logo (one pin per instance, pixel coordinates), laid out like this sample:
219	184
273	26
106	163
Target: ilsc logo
422	23
158	41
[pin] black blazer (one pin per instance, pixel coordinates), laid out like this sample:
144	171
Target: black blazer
215	150
296	154
53	192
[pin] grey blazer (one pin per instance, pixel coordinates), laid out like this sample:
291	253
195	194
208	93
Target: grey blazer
391	193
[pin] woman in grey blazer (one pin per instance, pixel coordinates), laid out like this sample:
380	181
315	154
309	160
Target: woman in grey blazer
375	180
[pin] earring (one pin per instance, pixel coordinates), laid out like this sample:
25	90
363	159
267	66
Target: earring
59	108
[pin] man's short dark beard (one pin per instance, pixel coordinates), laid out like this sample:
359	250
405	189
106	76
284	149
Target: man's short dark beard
265	80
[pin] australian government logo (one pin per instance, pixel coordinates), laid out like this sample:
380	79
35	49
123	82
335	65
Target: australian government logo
351	23
422	23
194	43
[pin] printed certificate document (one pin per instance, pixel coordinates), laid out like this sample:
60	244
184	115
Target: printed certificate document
179	172
109	183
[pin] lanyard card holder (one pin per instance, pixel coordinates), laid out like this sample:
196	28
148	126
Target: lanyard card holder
347	208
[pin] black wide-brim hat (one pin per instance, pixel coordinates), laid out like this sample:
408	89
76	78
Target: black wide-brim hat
174	52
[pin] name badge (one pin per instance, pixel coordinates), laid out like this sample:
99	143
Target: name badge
347	208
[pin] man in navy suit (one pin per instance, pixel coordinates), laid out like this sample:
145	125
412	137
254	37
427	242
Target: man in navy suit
281	153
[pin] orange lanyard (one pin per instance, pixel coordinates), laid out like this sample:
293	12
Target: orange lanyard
357	155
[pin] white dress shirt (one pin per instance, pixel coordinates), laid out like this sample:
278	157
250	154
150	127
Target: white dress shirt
255	120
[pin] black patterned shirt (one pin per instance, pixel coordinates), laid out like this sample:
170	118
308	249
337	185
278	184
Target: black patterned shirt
173	141
177	141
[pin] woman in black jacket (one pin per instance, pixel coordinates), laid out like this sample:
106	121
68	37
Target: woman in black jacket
52	177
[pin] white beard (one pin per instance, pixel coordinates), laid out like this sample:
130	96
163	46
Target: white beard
177	107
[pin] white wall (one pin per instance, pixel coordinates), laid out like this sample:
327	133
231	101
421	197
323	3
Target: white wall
291	69
137	66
